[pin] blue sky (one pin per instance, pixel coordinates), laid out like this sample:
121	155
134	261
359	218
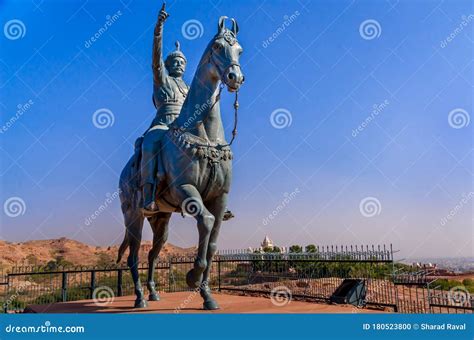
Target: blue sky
321	75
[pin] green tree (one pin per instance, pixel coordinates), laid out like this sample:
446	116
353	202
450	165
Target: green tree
310	248
296	249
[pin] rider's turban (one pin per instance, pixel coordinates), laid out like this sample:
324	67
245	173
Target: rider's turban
175	53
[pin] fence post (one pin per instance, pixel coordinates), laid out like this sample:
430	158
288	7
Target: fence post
5	305
170	262
92	283
64	287
219	274
119	282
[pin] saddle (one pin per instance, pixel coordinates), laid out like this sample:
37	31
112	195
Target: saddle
197	147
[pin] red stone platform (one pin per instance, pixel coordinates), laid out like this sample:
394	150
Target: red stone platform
189	302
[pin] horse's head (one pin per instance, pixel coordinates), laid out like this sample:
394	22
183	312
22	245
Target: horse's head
225	53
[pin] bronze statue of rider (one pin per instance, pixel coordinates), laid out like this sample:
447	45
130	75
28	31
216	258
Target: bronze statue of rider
169	93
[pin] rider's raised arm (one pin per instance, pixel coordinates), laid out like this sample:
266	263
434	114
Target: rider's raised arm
158	65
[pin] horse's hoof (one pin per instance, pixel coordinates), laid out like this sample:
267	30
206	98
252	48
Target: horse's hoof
210	305
191	280
141	303
154	297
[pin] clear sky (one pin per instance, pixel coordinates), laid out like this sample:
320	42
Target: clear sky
354	128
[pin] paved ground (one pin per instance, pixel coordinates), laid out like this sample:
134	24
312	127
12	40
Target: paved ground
188	302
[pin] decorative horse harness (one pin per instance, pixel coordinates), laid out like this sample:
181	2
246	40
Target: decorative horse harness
204	148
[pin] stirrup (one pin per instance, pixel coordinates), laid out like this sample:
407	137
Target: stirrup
228	215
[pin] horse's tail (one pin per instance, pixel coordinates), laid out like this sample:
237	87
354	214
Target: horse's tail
123	247
129	184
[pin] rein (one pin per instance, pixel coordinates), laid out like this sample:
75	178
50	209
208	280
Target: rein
236	112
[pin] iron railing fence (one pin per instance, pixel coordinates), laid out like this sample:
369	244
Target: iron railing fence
312	276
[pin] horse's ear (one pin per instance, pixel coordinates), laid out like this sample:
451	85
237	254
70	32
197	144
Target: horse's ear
235	26
220	26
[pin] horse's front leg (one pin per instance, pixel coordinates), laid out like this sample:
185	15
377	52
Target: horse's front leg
217	208
191	204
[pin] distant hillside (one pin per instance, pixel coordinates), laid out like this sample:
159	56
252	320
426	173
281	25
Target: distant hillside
67	251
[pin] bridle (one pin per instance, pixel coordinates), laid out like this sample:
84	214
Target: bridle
218	97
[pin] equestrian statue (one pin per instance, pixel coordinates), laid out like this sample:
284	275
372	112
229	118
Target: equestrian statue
183	163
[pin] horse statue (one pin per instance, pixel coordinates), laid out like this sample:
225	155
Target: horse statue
195	169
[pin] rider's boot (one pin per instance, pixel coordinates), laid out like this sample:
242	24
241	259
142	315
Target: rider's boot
149	205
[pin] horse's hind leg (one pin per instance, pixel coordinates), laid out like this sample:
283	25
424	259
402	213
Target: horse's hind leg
159	225
134	223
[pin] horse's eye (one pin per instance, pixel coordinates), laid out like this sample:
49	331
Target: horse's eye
217	46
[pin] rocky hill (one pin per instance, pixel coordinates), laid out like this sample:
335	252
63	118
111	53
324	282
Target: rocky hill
67	251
